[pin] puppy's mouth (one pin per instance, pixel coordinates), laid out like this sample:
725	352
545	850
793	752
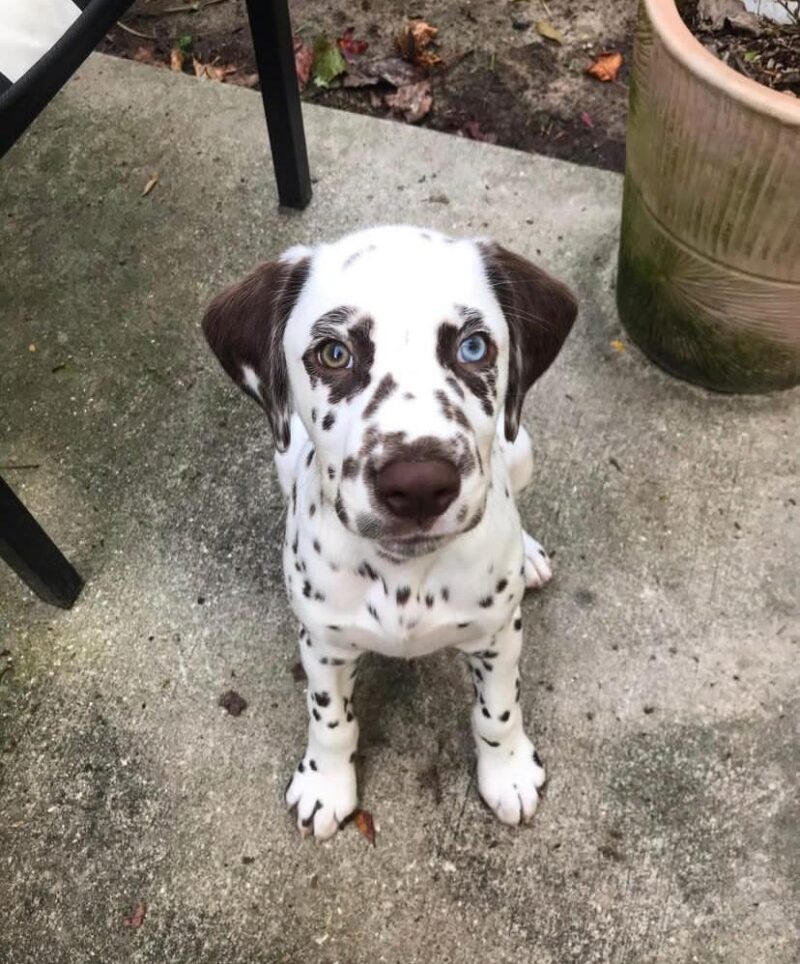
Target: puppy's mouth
409	547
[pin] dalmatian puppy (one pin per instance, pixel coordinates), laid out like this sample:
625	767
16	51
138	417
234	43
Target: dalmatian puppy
392	366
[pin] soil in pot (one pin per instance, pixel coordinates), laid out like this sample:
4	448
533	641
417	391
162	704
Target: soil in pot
766	52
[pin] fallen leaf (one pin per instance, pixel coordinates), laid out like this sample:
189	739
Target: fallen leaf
136	919
144	55
365	824
413	101
605	66
233	702
546	29
176	60
303	58
414	44
350	46
242	80
150	185
328	63
586	119
393	70
472	130
618	345
211	71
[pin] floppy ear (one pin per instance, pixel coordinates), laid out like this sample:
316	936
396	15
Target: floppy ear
539	312
244	327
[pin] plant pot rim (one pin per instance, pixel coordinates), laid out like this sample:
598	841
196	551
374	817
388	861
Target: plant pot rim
687	49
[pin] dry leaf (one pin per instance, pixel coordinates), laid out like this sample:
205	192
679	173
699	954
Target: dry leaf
350	46
546	29
136	919
413	101
211	71
618	345
176	60
233	702
365	824
144	55
303	58
242	80
415	41
605	66
472	130
150	185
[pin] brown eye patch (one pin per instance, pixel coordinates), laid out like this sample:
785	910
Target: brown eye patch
479	378
342	383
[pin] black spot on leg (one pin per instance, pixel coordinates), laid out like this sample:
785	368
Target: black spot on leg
314	416
310	456
349	717
332	726
446	596
313	765
504	717
317	547
315	714
307	589
309	819
323	699
486	713
537	759
331	472
518	624
301	767
373	612
312	509
338	506
429	600
486	602
402	595
501	585
490	742
327	422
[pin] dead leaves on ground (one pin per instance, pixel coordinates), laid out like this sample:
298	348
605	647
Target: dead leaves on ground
136	919
606	66
413	101
366	825
416	44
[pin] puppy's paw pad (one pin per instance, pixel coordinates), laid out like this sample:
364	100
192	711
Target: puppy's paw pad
509	782
538	569
324	800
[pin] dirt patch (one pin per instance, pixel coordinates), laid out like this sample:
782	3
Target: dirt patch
766	52
500	79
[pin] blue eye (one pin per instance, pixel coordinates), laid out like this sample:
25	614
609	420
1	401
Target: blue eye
472	349
334	354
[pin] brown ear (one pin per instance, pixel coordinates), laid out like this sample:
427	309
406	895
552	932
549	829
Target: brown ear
539	311
244	327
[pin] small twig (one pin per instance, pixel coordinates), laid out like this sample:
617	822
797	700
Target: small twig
188	8
136	33
29	465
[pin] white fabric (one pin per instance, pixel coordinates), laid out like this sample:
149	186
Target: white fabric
28	29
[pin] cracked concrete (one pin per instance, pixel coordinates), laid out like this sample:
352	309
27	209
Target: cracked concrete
660	667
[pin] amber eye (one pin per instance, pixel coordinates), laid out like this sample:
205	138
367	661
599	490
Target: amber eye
334	354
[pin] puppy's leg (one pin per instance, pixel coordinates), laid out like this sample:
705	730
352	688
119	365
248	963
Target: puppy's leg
519	460
323	787
509	768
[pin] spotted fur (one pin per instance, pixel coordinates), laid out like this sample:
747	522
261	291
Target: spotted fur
359	577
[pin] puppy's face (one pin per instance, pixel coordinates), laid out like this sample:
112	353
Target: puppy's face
399	349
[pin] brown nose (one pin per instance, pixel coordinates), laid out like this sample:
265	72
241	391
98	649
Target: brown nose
418	490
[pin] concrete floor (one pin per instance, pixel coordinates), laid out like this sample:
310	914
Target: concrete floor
661	665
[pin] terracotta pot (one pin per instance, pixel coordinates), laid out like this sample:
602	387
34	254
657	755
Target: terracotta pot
709	262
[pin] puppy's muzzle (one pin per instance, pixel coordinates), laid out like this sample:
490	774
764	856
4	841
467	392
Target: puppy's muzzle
419	491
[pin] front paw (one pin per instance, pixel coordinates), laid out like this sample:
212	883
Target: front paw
538	570
509	778
325	796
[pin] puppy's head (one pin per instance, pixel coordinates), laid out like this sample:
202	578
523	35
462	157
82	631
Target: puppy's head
399	349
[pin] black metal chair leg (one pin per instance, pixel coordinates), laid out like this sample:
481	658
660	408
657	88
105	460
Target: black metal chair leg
272	40
34	557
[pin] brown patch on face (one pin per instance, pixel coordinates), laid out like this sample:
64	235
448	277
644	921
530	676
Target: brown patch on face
343	383
350	467
453	413
481	377
385	388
